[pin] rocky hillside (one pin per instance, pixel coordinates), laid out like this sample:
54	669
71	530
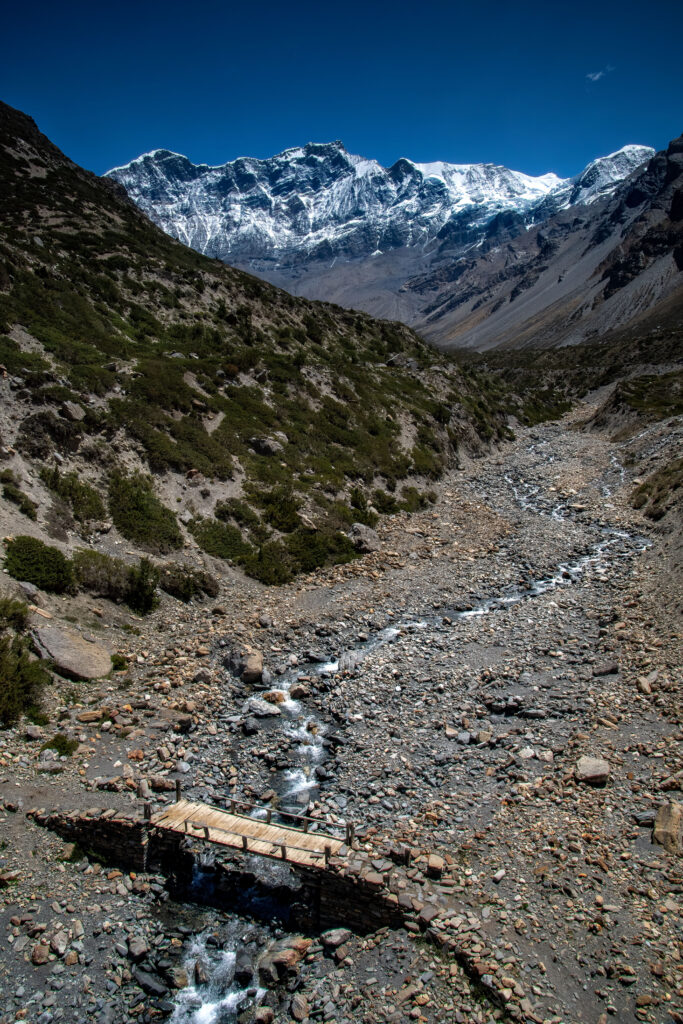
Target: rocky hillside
324	223
578	275
268	424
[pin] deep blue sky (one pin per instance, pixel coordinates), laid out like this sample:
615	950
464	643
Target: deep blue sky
505	82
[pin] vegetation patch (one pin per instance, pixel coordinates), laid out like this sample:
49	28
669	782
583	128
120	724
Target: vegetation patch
12	492
46	567
83	500
660	491
139	516
63	745
185	584
22	677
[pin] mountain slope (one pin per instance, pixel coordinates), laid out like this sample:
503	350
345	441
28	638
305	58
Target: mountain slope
327	224
579	274
269	423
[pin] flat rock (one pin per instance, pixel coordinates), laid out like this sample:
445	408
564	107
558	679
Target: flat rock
594	771
73	656
364	538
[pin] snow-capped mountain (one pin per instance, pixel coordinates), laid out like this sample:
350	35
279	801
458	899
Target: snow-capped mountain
319	202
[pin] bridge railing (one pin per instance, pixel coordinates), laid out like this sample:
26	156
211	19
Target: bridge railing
235	806
281	848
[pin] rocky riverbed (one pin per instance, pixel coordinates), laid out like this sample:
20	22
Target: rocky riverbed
498	684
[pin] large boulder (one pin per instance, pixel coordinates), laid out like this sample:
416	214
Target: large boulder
73	655
364	538
668	830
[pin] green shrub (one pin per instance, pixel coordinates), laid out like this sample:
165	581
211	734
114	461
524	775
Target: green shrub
309	551
84	501
233	508
119	663
142	584
280	508
269	564
44	566
13	493
13	614
184	584
62	744
220	539
140	516
21	679
101	574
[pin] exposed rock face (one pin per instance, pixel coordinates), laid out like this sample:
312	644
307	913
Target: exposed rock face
73	656
400	242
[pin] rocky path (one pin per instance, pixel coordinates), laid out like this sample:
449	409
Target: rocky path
499	684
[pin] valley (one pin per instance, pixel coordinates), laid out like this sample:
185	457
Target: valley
466	668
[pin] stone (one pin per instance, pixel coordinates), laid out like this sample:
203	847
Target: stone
299	1007
335	937
265	445
668	829
608	668
33	732
137	948
73	411
594	771
178	978
262	708
364	538
149	983
59	942
40	954
73	656
264	1015
253	667
435	866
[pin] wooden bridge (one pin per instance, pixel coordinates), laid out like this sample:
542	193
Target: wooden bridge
260	836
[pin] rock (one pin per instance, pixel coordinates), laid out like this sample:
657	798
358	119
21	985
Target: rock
435	866
335	937
244	970
73	656
499	875
73	411
201	975
149	983
364	538
33	732
607	668
299	1007
40	954
59	942
275	697
594	771
177	977
264	1015
265	445
261	708
298	691
253	667
137	948
668	830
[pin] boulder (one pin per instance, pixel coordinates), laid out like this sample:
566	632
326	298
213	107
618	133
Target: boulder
265	445
593	771
73	655
668	830
364	538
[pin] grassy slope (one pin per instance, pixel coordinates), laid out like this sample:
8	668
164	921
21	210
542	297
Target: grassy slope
156	343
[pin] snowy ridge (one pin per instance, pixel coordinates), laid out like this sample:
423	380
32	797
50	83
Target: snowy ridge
321	202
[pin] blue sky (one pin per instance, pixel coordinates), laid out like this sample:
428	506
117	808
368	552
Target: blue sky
537	87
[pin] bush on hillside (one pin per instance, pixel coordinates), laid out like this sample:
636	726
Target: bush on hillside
44	566
184	583
22	678
139	515
84	501
13	493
